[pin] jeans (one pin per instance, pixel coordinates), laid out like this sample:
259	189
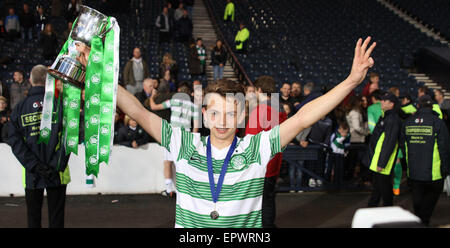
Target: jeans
295	179
218	72
27	33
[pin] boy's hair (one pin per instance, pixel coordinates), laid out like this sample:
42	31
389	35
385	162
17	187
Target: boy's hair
224	87
2	98
266	84
376	94
343	124
184	88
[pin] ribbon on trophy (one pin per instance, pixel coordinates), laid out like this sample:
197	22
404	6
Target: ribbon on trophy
102	74
100	80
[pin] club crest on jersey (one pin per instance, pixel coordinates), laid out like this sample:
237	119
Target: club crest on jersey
238	162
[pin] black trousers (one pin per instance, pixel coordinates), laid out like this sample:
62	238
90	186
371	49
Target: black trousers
382	189
268	202
425	196
336	163
56	199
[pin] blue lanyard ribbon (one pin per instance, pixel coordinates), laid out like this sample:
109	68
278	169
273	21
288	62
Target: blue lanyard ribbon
215	191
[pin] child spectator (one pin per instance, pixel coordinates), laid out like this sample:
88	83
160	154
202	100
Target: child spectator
338	141
131	134
183	111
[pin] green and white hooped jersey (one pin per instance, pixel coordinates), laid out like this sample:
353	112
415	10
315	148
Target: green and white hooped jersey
240	201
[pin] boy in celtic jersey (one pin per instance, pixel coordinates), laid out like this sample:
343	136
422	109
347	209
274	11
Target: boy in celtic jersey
220	178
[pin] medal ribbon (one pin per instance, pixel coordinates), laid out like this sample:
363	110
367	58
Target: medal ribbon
215	191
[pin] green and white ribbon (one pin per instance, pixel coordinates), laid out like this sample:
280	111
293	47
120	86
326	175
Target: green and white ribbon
100	93
102	73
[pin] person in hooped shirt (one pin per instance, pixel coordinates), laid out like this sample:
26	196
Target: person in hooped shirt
229	171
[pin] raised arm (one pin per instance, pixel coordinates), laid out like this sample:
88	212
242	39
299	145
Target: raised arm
131	106
316	109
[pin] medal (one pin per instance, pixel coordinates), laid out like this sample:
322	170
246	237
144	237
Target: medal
215	191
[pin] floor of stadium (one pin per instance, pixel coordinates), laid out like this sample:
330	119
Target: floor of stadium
294	210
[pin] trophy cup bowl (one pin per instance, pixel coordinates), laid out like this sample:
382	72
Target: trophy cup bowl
90	23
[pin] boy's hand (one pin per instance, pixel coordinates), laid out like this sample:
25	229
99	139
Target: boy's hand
361	61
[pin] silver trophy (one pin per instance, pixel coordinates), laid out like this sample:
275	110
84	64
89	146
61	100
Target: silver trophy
90	23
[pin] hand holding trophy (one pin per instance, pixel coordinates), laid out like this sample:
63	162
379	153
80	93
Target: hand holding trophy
89	60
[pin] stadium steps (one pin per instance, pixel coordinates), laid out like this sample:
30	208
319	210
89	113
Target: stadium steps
420	77
409	19
204	28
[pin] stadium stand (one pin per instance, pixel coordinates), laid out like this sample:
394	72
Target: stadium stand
311	40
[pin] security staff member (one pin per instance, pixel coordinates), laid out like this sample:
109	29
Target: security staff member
383	147
241	39
45	165
425	141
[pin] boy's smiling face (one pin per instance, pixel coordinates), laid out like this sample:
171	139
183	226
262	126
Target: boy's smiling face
222	116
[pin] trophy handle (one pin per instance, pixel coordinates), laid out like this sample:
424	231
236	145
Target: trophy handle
103	34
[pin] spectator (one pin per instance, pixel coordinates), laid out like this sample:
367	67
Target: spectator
41	21
3	116
183	112
147	90
65	35
167	79
296	93
131	134
189	5
263	118
308	94
251	98
49	42
2	30
184	28
27	22
18	89
295	169
118	124
364	106
165	25
287	107
394	91
229	12
195	66
168	64
218	60
57	7
241	39
359	130
73	9
12	25
444	104
135	71
371	85
285	96
171	11
179	12
4	92
374	111
339	140
201	52
320	135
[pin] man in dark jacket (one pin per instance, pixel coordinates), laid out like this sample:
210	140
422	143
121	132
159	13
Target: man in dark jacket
45	165
383	147
425	141
27	22
132	135
184	28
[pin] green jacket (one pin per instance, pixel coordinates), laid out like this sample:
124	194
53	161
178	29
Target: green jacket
229	11
373	114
